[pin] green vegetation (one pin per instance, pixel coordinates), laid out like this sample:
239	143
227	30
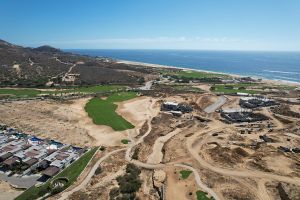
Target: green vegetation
136	152
19	92
186	88
185	76
279	87
234	88
129	184
185	173
121	96
70	173
76	168
125	141
103	111
194	74
98	170
95	89
202	196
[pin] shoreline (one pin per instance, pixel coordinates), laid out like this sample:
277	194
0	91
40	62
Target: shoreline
264	80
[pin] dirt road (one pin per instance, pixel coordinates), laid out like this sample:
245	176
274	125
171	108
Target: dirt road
199	182
87	179
156	156
213	107
147	86
232	172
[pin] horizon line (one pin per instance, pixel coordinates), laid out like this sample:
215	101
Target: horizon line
148	49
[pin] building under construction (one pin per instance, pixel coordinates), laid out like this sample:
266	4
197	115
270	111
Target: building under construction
241	115
256	102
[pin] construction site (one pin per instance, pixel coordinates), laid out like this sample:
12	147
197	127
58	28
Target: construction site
182	146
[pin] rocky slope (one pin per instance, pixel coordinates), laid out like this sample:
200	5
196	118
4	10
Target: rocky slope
25	67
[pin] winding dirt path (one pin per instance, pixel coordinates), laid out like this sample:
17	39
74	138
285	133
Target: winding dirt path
232	172
140	140
199	182
262	190
156	156
87	179
108	179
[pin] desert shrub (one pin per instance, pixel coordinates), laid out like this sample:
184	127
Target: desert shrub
56	190
114	193
129	183
135	155
98	170
132	169
102	148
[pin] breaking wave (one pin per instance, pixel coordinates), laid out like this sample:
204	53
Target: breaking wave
281	72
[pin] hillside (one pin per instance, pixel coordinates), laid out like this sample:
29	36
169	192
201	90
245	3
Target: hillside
45	65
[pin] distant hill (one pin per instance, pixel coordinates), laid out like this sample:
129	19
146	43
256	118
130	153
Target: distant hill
47	48
47	65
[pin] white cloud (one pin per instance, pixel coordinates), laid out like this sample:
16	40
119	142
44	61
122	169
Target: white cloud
144	40
163	42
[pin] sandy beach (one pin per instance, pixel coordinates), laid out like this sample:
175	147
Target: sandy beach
264	80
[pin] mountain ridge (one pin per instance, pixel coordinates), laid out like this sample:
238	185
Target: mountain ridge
48	66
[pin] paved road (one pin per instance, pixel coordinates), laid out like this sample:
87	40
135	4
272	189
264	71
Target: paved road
213	107
21	182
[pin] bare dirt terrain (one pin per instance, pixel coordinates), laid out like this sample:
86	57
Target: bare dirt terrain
7	192
178	188
228	161
68	122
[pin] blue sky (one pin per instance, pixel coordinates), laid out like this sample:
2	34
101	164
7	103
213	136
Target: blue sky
153	24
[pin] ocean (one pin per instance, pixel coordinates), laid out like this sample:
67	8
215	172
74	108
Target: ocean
269	65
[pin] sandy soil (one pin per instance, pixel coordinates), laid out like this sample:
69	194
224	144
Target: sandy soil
134	110
176	188
204	87
7	192
102	135
69	123
46	119
156	156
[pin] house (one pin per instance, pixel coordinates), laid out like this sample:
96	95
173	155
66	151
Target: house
63	159
5	156
12	147
43	164
3	139
30	162
34	141
12	162
51	171
54	145
33	152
